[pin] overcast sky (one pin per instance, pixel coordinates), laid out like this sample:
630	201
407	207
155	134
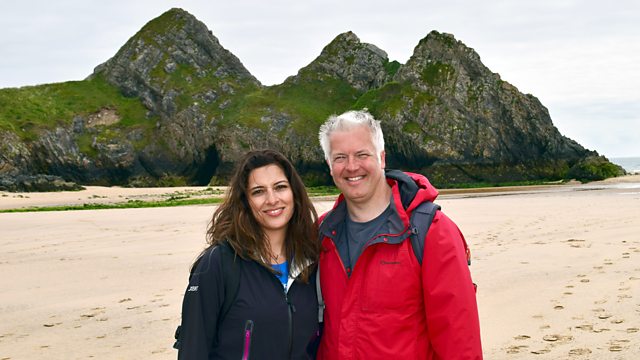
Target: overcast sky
580	58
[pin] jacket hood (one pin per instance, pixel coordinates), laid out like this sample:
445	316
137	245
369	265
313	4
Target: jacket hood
414	188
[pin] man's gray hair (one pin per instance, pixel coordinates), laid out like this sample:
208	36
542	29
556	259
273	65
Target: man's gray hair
348	121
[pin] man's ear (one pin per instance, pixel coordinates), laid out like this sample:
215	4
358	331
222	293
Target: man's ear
382	160
330	169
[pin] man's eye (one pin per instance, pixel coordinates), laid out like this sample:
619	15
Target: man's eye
339	158
363	156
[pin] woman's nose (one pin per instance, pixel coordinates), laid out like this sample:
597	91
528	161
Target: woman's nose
271	197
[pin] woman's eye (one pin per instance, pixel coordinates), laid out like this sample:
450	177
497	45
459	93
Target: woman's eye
257	192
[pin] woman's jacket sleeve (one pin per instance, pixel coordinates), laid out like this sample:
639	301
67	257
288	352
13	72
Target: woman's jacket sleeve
201	307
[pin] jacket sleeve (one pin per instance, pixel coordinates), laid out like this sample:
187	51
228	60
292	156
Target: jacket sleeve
449	294
201	305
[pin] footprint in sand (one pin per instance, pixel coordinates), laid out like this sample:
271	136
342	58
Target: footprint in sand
516	349
577	352
618	345
557	338
541	351
583	278
624	296
585	327
94	312
576	243
632	330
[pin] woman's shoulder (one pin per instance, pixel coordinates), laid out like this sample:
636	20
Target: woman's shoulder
209	260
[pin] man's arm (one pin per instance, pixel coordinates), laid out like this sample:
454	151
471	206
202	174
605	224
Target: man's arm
449	294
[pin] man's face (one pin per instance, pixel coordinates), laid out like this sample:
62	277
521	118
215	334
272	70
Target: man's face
354	164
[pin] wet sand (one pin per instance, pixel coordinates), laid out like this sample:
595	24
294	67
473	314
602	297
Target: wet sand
557	267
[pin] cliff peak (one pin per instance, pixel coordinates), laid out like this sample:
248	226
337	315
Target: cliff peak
174	52
346	58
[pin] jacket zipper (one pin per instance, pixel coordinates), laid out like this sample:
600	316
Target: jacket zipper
248	332
291	309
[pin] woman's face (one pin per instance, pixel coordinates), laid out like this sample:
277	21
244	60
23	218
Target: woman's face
271	200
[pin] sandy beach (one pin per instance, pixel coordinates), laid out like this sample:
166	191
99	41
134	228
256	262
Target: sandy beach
557	268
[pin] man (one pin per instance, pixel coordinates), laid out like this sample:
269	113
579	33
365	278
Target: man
381	303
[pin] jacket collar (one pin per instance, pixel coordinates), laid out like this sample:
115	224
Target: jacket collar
408	191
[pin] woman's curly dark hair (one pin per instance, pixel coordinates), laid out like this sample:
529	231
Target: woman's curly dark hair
233	220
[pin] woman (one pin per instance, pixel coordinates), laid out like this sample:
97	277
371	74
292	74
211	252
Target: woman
267	222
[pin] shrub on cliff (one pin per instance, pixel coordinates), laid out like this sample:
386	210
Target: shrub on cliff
594	168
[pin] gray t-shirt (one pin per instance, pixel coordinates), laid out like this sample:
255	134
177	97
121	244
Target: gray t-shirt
355	235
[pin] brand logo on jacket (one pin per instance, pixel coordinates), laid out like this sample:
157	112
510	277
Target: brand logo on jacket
382	262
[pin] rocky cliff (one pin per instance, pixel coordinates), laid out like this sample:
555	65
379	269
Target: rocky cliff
174	107
445	113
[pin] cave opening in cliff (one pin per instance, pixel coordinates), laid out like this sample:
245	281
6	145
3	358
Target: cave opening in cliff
208	167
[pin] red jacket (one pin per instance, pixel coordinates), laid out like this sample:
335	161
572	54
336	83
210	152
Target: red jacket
391	307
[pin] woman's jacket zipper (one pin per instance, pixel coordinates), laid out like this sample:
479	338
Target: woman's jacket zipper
291	309
248	332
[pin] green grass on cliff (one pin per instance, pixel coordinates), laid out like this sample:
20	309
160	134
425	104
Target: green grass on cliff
392	98
28	109
308	103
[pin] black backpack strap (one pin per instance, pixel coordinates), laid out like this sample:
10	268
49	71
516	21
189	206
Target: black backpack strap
319	295
420	221
230	264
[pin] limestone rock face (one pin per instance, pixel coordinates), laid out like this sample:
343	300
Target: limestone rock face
445	108
182	110
181	74
169	52
361	65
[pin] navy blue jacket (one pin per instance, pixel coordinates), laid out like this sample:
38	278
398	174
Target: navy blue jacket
285	324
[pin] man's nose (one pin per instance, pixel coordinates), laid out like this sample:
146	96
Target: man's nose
352	163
